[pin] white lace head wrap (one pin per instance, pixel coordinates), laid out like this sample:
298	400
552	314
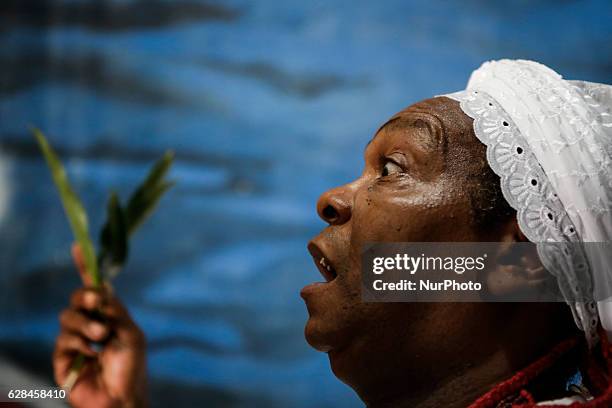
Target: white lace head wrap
550	141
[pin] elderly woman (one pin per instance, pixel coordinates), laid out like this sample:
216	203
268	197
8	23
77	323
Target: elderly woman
520	155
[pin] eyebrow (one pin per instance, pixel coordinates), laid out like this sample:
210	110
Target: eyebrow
434	124
393	119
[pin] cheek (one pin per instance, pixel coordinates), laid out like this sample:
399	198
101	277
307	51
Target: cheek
385	214
417	212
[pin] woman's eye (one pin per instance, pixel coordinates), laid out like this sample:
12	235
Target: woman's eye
391	168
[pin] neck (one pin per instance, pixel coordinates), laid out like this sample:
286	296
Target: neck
458	391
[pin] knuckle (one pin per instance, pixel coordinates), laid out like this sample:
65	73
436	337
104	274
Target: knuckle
91	299
96	330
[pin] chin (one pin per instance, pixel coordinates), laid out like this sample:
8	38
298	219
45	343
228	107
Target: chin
316	336
319	339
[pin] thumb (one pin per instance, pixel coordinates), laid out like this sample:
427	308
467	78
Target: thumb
77	256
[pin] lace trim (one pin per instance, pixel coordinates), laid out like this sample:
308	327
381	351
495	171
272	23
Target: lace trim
540	213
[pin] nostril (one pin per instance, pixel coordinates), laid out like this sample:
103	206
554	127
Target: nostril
334	206
330	213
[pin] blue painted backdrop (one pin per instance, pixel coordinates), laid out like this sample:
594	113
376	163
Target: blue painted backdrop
266	104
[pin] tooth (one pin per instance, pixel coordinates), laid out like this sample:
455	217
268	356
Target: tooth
328	268
322	261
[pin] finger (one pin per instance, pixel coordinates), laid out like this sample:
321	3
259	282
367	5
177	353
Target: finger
66	348
61	365
70	344
123	327
62	362
77	256
99	301
88	299
113	309
74	321
117	317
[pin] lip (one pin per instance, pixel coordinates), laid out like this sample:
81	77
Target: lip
324	265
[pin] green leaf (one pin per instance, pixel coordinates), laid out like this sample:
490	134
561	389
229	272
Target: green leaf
147	195
72	206
114	238
122	222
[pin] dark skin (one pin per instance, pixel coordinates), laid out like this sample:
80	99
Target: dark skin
418	185
115	376
422	171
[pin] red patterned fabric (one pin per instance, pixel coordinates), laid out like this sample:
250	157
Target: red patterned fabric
599	377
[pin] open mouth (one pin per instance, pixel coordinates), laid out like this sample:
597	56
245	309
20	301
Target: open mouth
323	263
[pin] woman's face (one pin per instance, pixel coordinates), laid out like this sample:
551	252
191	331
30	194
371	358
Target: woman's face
418	183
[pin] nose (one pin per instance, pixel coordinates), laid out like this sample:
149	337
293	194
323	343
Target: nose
334	206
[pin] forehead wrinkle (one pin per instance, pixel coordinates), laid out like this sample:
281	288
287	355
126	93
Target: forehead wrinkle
392	119
437	130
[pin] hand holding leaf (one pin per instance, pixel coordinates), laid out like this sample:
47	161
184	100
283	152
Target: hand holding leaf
120	224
